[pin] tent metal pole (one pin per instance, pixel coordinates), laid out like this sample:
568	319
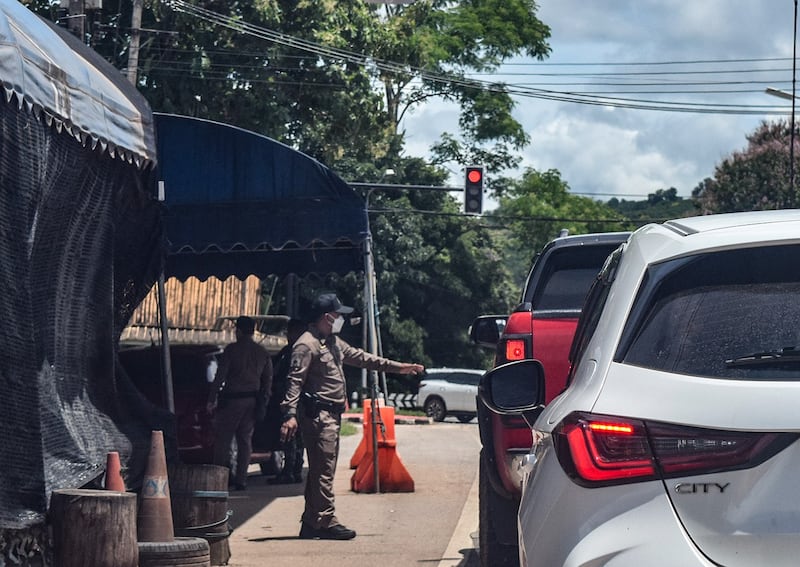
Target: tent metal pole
369	299
365	322
166	360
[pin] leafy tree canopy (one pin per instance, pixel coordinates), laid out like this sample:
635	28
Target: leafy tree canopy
755	178
538	207
332	79
662	205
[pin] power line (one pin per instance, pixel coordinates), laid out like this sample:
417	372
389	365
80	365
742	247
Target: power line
240	26
637	73
391	67
523	218
631	63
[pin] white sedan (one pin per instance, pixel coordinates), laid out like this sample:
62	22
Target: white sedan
449	391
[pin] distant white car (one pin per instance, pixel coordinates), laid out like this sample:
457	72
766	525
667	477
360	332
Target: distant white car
677	439
449	391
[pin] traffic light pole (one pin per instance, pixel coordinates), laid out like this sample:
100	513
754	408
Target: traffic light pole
371	333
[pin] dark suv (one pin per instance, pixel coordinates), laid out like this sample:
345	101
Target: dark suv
542	327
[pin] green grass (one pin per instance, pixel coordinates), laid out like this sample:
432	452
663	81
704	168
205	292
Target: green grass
349	428
401	411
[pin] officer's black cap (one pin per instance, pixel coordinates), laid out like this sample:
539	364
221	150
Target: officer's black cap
246	324
328	303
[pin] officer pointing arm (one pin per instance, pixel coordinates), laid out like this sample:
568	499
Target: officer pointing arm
315	400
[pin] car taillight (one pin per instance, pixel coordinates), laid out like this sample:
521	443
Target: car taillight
515	349
602	449
598	450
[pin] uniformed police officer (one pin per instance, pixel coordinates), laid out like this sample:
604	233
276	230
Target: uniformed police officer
316	396
244	374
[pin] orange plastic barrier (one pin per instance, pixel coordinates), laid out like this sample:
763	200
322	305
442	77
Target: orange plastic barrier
361	450
392	474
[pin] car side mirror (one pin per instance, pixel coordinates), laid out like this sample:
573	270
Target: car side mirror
513	388
486	330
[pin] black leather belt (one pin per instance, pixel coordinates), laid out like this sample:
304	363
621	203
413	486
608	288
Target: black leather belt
316	403
234	395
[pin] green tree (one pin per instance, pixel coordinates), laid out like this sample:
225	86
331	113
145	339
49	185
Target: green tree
538	207
755	178
436	271
334	79
442	43
662	205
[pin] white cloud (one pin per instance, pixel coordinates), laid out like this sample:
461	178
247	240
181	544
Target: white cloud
624	151
619	162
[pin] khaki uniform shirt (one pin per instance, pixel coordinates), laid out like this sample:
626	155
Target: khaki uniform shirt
245	366
317	367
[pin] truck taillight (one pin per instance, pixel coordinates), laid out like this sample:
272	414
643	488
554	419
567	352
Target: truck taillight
515	349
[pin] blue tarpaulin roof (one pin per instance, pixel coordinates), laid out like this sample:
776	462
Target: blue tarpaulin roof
239	203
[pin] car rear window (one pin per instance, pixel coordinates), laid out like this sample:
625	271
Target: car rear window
732	314
570	272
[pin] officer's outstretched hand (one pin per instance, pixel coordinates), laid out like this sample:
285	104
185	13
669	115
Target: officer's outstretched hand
288	429
410	368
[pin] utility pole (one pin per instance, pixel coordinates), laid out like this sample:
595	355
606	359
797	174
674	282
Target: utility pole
77	18
133	50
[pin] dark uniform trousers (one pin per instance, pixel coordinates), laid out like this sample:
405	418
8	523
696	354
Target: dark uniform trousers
235	417
321	438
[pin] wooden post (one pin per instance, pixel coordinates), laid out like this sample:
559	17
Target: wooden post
200	506
94	527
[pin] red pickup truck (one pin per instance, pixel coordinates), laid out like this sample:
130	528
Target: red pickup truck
541	327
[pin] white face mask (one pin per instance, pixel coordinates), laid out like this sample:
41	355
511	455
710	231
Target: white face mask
336	324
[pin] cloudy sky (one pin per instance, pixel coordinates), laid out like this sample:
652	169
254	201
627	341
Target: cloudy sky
715	57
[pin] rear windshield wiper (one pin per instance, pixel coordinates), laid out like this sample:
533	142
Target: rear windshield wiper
784	355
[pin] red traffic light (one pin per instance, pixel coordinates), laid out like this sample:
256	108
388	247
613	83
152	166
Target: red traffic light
473	190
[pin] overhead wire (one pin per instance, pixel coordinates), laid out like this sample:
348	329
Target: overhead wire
463	81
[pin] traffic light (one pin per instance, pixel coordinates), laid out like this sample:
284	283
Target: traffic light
473	190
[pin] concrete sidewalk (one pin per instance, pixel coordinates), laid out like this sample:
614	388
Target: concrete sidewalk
432	525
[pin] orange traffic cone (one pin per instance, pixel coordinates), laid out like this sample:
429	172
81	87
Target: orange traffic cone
154	521
113	479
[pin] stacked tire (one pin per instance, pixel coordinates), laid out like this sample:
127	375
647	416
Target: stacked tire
182	552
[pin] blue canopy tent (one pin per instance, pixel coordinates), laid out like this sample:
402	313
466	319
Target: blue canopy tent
239	203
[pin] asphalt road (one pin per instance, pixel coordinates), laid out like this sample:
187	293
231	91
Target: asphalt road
433	526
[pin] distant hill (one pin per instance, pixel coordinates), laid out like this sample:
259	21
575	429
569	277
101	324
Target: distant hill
662	205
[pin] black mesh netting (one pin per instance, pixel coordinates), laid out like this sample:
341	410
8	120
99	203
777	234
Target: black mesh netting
81	244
